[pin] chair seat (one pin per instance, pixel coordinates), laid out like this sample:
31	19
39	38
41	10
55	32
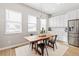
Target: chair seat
52	42
41	45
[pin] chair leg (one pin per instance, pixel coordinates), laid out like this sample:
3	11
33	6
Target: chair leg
36	47
46	48
53	46
47	51
56	45
32	45
46	42
42	51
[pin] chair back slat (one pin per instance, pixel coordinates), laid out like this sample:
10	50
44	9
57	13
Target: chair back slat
54	38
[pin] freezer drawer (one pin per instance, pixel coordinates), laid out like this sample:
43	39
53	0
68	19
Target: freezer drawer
73	41
74	35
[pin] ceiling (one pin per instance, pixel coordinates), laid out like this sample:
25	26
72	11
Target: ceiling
54	8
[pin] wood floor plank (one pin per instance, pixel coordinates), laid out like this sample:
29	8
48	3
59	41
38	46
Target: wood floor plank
72	51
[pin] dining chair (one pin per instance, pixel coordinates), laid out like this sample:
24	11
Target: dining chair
42	46
52	41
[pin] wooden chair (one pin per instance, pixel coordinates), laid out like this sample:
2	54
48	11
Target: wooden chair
53	41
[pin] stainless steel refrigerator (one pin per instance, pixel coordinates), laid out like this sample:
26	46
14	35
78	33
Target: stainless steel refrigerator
73	32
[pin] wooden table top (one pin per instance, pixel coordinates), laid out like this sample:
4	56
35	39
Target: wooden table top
38	37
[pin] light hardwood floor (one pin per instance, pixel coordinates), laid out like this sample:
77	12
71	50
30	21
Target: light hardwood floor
8	52
72	51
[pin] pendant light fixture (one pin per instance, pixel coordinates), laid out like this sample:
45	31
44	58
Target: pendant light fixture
41	10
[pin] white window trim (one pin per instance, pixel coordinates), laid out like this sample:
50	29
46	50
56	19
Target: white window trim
32	23
20	31
44	24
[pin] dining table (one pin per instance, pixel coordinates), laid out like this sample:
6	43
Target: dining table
38	38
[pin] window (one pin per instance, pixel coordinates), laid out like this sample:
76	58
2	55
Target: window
32	22
43	24
13	22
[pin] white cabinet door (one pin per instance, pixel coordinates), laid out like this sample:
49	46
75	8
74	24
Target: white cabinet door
51	22
55	22
62	21
72	15
66	18
77	13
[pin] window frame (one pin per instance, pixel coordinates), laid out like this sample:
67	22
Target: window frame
32	23
9	21
44	24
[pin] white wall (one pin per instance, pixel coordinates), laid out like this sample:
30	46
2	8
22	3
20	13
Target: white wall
12	39
58	23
